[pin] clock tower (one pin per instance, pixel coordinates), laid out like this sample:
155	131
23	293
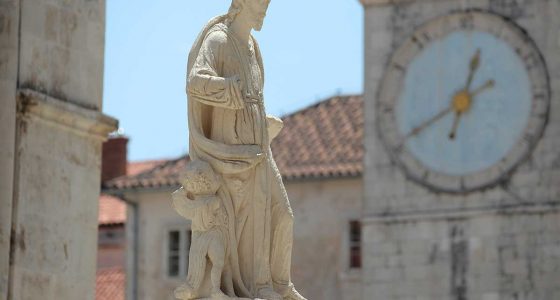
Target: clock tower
462	164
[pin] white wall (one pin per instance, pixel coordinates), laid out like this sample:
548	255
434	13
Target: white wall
320	260
156	216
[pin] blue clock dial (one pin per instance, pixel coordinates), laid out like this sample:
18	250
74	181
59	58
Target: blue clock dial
480	135
463	101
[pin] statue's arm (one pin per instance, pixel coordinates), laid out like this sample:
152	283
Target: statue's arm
205	83
180	204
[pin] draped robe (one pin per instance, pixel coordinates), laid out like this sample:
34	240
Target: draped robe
231	134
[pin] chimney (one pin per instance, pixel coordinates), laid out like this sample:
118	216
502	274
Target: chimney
114	158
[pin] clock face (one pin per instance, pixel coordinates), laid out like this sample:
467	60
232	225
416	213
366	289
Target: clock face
463	101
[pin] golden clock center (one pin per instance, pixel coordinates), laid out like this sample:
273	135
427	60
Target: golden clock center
461	101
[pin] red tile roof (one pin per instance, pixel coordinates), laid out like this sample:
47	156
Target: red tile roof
164	175
112	210
324	140
110	284
137	167
321	141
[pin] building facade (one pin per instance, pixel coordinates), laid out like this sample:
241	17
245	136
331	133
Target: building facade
111	241
443	182
474	221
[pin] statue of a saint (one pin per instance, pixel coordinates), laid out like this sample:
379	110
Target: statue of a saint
230	130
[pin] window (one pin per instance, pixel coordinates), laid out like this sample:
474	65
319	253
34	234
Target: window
178	246
355	244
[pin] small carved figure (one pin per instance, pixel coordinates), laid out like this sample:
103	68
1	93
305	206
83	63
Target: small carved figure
196	200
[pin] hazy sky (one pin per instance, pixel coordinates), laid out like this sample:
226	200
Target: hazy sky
312	49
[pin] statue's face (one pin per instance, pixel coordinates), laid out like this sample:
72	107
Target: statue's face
257	11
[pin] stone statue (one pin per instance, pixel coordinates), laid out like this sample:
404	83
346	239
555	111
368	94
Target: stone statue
230	131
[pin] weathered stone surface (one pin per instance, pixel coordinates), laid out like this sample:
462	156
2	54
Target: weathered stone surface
62	49
51	129
9	19
493	244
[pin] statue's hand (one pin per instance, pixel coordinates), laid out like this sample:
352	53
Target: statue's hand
180	200
275	125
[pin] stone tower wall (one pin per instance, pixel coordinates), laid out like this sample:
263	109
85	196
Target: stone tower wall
501	243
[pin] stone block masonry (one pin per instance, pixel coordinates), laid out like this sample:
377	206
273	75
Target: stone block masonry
498	243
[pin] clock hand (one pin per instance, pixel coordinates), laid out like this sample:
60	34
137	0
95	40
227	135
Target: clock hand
487	85
462	101
455	125
429	122
475	62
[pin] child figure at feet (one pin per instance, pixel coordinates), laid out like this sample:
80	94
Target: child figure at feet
196	200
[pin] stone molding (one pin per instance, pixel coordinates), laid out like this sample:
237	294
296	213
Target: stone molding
350	275
415	216
65	115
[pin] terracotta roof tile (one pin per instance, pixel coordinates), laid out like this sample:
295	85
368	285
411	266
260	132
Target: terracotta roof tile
164	174
110	284
112	210
133	168
324	140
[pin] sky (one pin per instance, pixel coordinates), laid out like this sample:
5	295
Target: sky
312	49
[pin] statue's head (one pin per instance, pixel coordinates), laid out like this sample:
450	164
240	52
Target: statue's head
254	11
200	179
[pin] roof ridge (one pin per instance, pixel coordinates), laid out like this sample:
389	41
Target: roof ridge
167	162
147	161
320	102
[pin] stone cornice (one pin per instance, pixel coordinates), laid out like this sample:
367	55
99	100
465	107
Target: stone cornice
445	214
80	120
